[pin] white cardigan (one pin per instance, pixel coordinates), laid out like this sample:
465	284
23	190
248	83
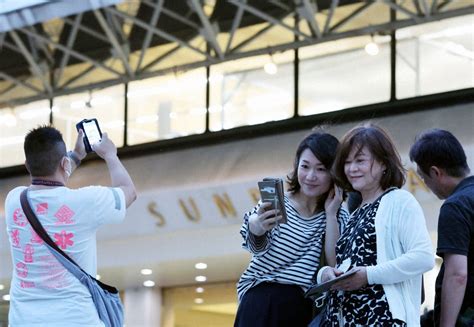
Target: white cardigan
404	253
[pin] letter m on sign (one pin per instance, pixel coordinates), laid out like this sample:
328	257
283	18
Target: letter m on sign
224	204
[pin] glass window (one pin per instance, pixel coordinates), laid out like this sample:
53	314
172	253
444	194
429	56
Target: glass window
251	91
167	106
15	123
342	74
200	305
106	105
435	57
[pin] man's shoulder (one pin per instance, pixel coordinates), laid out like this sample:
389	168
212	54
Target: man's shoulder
462	197
14	193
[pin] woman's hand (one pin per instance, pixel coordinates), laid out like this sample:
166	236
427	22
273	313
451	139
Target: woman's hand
330	273
354	282
264	220
333	202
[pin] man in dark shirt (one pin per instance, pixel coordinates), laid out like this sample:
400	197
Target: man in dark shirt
441	163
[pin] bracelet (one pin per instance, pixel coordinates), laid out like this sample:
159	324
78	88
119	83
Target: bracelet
74	158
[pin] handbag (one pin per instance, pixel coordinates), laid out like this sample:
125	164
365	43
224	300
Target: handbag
105	297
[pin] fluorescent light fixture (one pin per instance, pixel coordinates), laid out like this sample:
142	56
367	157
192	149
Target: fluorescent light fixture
198	300
146	271
6	297
2	287
200	278
199	289
98	277
200	265
148	283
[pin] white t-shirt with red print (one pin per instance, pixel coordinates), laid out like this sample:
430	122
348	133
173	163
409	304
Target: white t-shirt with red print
43	292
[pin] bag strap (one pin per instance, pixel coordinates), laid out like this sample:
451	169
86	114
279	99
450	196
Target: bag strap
38	228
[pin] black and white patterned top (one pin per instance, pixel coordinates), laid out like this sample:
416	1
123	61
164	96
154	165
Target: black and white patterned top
289	253
367	306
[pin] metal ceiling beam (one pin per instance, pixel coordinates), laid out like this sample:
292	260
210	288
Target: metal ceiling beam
37	71
330	32
332	9
157	31
208	30
251	38
268	18
115	43
235	25
401	9
173	15
434	6
70	43
308	10
351	16
88	31
17	82
72	52
160	58
78	76
149	34
425	7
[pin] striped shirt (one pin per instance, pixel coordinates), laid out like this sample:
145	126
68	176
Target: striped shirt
287	254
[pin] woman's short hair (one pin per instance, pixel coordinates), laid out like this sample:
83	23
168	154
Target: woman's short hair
380	145
323	146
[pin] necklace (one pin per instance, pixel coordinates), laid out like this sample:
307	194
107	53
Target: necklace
45	182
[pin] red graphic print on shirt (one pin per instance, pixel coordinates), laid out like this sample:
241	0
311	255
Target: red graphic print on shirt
19	217
64	216
15	235
29	250
25	284
64	239
42	209
35	238
21	269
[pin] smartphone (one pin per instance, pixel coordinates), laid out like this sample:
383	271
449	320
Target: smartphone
92	133
271	190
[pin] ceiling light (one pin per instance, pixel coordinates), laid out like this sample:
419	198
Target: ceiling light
6	297
372	48
146	271
98	277
148	283
1	287
198	300
200	278
200	265
270	68
199	289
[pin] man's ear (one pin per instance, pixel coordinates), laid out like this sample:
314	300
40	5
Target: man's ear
27	167
436	172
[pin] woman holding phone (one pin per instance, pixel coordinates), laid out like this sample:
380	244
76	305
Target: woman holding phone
286	256
385	240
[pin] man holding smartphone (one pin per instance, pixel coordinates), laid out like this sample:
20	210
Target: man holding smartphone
42	291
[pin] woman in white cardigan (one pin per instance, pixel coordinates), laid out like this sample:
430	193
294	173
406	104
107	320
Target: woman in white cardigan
385	241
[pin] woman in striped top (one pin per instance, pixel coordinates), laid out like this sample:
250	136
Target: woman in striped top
285	257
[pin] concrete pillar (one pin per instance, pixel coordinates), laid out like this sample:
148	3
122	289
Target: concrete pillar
143	307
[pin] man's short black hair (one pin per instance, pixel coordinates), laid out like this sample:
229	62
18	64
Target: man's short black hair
440	148
44	148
